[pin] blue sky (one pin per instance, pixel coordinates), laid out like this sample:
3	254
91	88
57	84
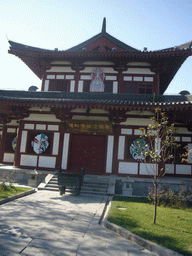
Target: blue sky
50	24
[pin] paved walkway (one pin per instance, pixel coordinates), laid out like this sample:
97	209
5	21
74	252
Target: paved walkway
46	223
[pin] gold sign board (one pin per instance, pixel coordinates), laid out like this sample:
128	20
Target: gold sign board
89	126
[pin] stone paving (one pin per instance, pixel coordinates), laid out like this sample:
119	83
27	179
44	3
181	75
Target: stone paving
46	223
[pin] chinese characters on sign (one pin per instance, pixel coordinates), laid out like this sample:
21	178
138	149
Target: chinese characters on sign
79	126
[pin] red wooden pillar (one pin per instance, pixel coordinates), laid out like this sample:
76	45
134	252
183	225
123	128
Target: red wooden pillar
120	82
116	130
77	78
17	151
62	130
77	66
43	82
2	145
120	67
157	84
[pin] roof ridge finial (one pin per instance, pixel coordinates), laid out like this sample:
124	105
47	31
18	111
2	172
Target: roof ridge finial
104	26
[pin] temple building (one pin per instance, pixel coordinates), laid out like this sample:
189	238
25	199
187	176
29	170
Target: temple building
94	98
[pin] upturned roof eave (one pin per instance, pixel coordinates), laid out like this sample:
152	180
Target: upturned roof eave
70	104
124	53
33	59
94	98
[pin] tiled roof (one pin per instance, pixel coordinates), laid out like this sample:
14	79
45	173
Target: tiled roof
185	46
79	47
127	48
27	47
94	98
167	61
103	34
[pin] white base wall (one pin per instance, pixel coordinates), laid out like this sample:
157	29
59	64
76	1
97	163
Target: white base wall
169	168
47	162
128	168
147	169
8	157
27	160
183	169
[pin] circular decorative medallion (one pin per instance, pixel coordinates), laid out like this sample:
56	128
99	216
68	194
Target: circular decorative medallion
14	143
137	149
40	143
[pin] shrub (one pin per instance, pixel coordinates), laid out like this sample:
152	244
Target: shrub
182	199
3	186
6	180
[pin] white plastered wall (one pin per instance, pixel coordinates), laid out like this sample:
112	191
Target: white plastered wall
126	167
91	118
65	151
105	69
8	157
109	161
139	71
61	69
137	121
43	117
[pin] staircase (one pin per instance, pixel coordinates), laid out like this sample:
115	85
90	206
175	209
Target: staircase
52	184
92	184
95	184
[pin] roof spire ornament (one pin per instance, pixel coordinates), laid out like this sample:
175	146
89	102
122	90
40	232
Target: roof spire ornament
104	26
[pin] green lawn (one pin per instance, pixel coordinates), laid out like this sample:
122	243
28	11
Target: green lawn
173	228
12	191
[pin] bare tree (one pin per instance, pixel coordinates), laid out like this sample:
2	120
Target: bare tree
159	148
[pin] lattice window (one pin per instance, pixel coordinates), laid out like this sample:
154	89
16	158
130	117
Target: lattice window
130	87
59	85
145	89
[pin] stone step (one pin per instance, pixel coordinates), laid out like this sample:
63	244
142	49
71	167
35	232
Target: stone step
92	184
96	178
105	183
68	190
92	193
95	184
54	178
94	188
51	185
51	189
52	182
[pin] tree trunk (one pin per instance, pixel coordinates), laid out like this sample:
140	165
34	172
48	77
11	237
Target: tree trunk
155	203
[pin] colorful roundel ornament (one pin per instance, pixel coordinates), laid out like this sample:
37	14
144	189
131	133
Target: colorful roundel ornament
14	143
137	148
40	143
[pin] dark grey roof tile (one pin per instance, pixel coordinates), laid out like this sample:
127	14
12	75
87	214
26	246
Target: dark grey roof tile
97	98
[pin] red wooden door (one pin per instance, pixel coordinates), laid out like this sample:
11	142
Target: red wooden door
87	151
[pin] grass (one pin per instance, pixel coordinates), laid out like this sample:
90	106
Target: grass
11	191
173	228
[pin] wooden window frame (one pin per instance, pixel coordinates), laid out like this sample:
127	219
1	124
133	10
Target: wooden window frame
66	84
